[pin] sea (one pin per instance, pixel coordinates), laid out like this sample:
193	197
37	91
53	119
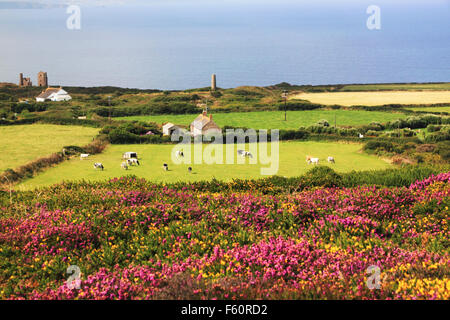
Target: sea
179	44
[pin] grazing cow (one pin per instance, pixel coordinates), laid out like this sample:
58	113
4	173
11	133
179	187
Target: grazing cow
244	154
179	154
190	170
133	161
331	160
98	165
166	167
124	165
84	156
310	160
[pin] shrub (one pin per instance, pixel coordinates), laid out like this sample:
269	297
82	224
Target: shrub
379	145
323	123
425	148
293	134
298	105
321	176
398	177
433	128
372	133
437	137
443	149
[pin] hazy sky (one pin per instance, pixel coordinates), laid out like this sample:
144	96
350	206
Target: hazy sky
224	2
179	43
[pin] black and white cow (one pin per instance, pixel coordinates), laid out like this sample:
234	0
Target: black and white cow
179	154
98	165
133	161
244	154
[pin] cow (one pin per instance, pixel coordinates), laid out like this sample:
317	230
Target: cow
179	154
331	160
98	165
165	167
133	161
190	169
310	160
84	156
244	154
124	165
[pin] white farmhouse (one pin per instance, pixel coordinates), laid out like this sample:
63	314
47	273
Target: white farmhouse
53	94
203	125
170	128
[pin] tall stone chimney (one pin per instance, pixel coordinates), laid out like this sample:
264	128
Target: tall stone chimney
21	79
213	83
42	79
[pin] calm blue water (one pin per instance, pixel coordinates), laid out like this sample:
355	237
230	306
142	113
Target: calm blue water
178	45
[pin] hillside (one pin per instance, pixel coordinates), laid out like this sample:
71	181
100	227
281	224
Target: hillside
131	239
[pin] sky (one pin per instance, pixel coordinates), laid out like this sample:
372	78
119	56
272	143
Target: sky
176	44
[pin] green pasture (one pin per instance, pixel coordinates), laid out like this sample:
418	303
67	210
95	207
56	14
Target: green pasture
292	162
275	119
23	143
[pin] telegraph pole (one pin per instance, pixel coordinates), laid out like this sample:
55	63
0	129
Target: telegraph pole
285	96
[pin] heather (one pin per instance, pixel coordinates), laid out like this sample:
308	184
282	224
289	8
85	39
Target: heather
136	240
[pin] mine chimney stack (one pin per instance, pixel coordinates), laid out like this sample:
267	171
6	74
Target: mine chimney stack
213	83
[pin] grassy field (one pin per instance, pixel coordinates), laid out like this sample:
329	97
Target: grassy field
275	119
431	109
292	163
24	143
375	98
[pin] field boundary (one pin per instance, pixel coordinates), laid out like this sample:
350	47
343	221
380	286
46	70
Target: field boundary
30	169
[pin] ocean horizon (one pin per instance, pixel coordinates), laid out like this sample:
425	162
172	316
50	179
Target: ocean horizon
178	46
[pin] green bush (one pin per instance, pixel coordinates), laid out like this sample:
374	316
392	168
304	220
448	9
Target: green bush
398	177
379	145
433	128
323	123
443	149
372	133
298	105
437	137
321	176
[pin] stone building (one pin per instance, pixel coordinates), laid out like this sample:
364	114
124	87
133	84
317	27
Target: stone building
204	124
42	79
24	82
53	94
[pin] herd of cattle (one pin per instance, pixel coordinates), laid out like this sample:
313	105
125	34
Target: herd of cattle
133	160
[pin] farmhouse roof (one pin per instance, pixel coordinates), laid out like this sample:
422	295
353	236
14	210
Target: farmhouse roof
203	120
169	125
48	92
